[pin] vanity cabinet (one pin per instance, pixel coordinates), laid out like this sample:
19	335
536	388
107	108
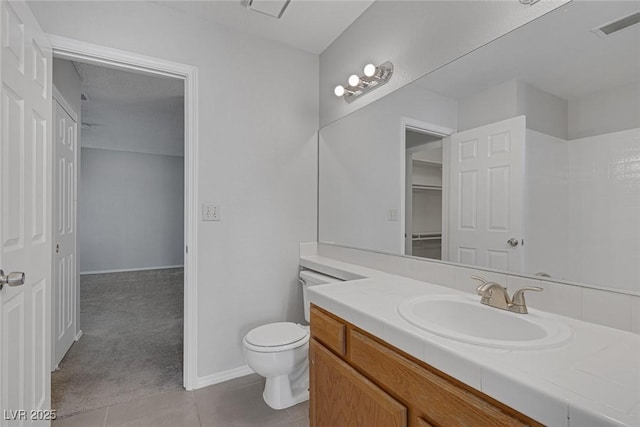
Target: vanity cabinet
357	379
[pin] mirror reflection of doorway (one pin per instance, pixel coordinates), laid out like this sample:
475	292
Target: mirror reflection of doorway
423	222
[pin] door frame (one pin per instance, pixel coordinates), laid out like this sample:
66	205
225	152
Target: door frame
407	123
65	48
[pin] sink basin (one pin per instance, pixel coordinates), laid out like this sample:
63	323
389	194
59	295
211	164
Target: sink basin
463	318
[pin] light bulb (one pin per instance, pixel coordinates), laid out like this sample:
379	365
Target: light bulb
369	70
354	80
339	90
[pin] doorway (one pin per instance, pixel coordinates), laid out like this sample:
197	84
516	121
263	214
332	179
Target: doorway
424	175
129	228
424	188
97	55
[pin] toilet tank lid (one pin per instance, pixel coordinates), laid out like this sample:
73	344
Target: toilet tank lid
314	278
276	334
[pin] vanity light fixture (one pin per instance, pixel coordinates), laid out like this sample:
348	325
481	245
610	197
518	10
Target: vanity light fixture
354	80
357	86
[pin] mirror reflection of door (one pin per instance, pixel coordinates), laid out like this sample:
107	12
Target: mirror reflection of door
486	195
423	222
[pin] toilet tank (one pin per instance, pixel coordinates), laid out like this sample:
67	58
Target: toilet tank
312	278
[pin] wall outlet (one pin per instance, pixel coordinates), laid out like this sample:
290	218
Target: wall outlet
392	215
210	212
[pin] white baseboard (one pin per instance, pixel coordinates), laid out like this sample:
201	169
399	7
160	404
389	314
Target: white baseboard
78	335
220	377
124	270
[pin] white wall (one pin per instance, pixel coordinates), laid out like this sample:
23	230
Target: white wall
605	111
582	208
546	205
130	210
361	158
257	158
604	209
417	37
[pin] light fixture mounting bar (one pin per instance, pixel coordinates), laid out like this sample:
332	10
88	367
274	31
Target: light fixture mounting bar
383	73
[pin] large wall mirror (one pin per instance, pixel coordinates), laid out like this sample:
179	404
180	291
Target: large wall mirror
523	156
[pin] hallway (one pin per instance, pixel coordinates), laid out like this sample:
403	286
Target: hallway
132	341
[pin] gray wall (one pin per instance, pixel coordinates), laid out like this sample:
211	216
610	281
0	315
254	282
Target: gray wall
545	112
605	111
598	113
491	105
67	80
130	210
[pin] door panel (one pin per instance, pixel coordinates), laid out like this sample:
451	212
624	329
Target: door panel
468	202
25	209
39	187
486	173
13	175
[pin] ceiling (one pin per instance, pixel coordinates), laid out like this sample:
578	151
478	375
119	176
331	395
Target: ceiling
310	25
557	53
134	112
131	112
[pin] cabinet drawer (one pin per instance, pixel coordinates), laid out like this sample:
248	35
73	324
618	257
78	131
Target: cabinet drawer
434	397
328	330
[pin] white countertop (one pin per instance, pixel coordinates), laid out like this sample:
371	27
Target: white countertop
594	380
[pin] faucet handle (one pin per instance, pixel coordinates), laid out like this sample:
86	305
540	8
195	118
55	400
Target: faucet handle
482	281
518	296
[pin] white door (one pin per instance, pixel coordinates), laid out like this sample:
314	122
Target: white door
64	262
25	211
486	179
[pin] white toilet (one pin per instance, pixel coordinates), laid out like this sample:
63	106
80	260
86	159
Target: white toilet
280	352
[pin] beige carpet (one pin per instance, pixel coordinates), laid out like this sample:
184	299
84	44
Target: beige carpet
131	346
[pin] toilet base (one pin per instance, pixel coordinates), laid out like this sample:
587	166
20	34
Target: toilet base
285	391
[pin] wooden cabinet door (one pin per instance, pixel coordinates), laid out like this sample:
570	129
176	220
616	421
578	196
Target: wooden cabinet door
340	396
422	423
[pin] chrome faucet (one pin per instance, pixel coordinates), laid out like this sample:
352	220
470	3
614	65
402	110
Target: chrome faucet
495	295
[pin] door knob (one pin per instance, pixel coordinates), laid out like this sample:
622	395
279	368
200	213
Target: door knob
513	242
12	279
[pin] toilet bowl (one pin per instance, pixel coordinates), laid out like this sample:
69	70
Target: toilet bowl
280	353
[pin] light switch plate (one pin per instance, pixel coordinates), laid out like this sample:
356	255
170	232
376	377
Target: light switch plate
210	212
392	215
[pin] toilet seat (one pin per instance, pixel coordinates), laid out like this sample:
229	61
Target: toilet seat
276	337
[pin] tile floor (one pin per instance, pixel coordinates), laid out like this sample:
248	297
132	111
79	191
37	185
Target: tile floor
235	403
